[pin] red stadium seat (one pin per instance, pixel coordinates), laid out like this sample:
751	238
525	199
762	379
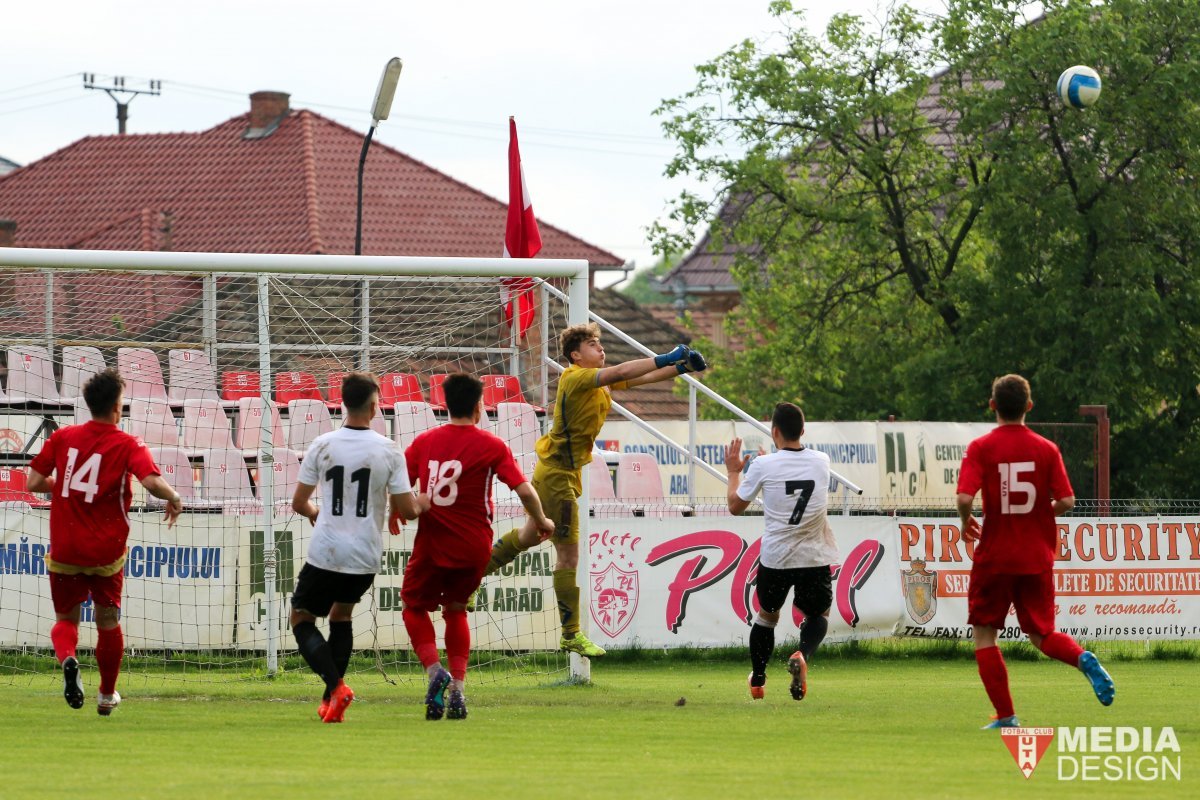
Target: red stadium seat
399	387
12	488
236	385
504	389
437	395
291	386
335	387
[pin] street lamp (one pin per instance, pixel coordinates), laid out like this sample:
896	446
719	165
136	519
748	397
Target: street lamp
379	112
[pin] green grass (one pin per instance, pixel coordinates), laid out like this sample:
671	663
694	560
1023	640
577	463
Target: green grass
875	725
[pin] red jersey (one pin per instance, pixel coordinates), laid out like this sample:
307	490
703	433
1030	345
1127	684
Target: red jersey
1021	474
89	510
455	465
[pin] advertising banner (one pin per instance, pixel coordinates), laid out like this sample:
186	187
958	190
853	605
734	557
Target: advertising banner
179	583
1129	578
691	581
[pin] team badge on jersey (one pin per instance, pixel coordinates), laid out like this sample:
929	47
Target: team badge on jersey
614	598
920	591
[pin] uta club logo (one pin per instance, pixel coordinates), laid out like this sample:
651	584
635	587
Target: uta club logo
1027	746
615	586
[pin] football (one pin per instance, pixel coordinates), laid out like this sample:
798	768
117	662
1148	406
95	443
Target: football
1079	86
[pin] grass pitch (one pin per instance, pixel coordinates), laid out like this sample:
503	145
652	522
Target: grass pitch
876	724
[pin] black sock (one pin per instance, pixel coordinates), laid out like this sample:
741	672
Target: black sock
316	653
762	645
812	631
341	644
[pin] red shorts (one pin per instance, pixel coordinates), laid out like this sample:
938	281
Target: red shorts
991	593
427	586
68	591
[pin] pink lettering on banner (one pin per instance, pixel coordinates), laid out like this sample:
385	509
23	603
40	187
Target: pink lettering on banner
861	562
736	556
691	577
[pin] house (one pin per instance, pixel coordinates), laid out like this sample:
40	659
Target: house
272	180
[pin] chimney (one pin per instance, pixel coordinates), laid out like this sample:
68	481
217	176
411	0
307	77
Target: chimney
267	110
8	233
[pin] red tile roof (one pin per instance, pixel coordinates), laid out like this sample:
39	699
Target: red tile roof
290	192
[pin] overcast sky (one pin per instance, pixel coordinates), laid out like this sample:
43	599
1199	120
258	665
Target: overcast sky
581	79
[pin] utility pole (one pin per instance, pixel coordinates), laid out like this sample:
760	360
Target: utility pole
118	86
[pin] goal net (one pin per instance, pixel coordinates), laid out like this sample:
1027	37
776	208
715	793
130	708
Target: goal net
230	374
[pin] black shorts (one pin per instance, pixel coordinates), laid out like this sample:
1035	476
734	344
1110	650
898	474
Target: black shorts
318	589
813	585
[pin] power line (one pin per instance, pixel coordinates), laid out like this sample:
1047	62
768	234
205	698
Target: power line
41	105
39	83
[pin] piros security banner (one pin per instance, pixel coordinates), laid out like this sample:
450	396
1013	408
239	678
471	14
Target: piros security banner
1124	578
674	581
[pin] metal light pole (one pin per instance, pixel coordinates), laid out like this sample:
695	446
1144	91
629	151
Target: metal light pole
379	112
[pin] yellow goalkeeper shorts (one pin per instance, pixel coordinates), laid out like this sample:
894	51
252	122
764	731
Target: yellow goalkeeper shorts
559	491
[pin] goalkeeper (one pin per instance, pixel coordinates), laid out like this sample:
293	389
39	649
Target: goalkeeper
580	408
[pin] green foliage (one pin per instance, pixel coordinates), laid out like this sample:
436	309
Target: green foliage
906	238
641	287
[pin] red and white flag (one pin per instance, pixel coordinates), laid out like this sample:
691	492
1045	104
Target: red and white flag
521	239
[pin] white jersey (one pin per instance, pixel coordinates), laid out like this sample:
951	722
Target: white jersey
354	471
795	493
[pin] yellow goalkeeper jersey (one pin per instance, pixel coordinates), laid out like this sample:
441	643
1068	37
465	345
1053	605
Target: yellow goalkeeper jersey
580	408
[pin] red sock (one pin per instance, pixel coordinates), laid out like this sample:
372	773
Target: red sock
110	648
458	642
64	636
995	679
420	633
1062	647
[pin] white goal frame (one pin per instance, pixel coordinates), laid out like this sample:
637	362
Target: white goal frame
334	266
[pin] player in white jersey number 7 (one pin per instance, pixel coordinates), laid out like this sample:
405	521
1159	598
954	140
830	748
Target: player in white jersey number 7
797	546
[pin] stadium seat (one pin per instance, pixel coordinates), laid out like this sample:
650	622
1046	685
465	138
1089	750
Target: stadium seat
205	426
153	422
517	425
176	470
12	488
291	386
236	385
79	364
82	412
437	395
248	436
334	392
191	376
399	387
603	497
410	420
639	483
378	423
499	389
307	419
286	473
224	479
142	373
31	376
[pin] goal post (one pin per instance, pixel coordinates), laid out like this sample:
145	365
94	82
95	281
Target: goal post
185	329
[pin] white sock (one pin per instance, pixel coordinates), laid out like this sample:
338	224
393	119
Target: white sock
460	687
432	669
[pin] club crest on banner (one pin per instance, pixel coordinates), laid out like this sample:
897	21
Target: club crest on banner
920	591
615	586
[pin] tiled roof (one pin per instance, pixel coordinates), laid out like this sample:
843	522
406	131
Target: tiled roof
290	192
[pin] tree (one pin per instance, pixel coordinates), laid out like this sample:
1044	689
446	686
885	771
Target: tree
911	230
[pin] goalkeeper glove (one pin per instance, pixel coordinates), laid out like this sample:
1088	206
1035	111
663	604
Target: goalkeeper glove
679	354
695	363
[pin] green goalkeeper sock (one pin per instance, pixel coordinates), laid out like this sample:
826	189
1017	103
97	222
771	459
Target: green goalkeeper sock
504	551
567	592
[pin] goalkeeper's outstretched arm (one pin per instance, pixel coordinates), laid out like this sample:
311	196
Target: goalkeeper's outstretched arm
662	367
